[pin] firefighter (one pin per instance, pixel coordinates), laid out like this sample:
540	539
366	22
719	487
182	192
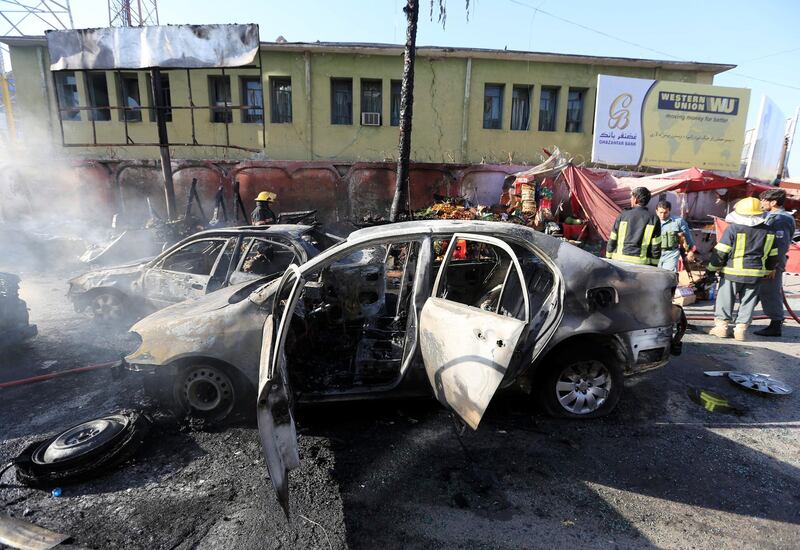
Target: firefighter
263	214
636	235
745	254
782	222
673	230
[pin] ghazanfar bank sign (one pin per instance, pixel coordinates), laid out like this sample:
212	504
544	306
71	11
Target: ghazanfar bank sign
664	124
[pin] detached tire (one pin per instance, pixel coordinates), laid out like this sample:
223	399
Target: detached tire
212	393
83	451
581	385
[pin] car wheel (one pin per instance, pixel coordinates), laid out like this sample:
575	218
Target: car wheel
83	450
108	306
210	392
582	386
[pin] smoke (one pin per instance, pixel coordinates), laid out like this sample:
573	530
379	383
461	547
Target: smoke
49	211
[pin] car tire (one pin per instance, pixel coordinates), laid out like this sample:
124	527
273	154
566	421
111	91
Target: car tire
581	385
108	306
212	393
82	451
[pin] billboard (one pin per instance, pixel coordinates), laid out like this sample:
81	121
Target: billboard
662	124
766	143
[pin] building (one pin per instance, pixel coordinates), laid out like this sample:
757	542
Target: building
334	102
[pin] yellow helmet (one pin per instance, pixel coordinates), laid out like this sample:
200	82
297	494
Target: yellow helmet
266	196
750	206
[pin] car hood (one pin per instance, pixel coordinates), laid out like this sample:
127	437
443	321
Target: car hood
109	276
219	325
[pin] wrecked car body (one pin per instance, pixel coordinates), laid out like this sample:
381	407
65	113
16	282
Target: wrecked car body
194	267
14	319
463	308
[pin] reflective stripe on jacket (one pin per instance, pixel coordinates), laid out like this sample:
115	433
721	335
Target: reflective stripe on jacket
635	237
745	254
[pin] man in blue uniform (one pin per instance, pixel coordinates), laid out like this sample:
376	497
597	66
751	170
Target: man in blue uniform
673	229
744	255
636	235
770	290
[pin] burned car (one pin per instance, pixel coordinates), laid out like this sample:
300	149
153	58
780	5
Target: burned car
14	321
459	307
196	266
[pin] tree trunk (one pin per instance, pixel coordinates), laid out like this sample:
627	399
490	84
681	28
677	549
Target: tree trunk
401	199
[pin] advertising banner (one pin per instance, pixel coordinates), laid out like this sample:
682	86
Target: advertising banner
766	147
662	124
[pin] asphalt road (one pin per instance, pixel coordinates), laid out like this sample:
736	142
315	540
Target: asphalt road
659	472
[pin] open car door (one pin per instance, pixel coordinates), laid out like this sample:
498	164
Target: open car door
275	412
471	325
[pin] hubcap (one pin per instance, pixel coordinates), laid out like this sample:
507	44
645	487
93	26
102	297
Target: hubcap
106	306
583	387
208	389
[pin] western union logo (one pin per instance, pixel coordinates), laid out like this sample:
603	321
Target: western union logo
697	103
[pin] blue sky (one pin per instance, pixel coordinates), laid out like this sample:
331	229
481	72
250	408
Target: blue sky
759	37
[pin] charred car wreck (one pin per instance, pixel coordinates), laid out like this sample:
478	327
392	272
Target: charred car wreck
14	321
200	264
460	308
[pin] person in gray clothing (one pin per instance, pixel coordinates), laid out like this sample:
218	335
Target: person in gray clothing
770	291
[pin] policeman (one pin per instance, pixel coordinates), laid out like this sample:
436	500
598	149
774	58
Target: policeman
263	214
636	235
672	229
744	255
770	291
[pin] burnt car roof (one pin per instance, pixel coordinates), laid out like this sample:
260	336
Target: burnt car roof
289	230
435	226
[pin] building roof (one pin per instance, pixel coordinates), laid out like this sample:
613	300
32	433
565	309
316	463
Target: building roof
368	48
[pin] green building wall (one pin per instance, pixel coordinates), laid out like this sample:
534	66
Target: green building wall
447	124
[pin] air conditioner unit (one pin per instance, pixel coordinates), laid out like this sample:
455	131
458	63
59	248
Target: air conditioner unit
370	119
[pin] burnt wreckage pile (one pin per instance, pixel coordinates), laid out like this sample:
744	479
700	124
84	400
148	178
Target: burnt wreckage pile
14	325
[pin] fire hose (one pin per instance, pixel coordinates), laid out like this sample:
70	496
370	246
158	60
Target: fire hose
44	377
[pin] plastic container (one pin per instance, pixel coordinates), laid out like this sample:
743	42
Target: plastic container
573	232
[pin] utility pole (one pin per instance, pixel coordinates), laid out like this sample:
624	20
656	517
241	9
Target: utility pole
161	122
406	111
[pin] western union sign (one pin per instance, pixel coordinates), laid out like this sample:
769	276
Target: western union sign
664	124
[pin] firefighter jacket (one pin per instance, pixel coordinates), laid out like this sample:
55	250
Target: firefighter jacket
263	213
745	254
782	222
635	237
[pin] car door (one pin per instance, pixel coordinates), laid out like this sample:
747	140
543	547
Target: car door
468	333
275	413
185	272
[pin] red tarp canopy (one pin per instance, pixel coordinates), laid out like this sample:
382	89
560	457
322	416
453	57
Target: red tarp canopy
602	196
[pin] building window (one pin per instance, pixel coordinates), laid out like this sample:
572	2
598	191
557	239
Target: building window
219	91
548	105
493	106
521	108
281	100
575	110
371	102
341	101
252	99
128	93
166	98
394	101
98	95
67	89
